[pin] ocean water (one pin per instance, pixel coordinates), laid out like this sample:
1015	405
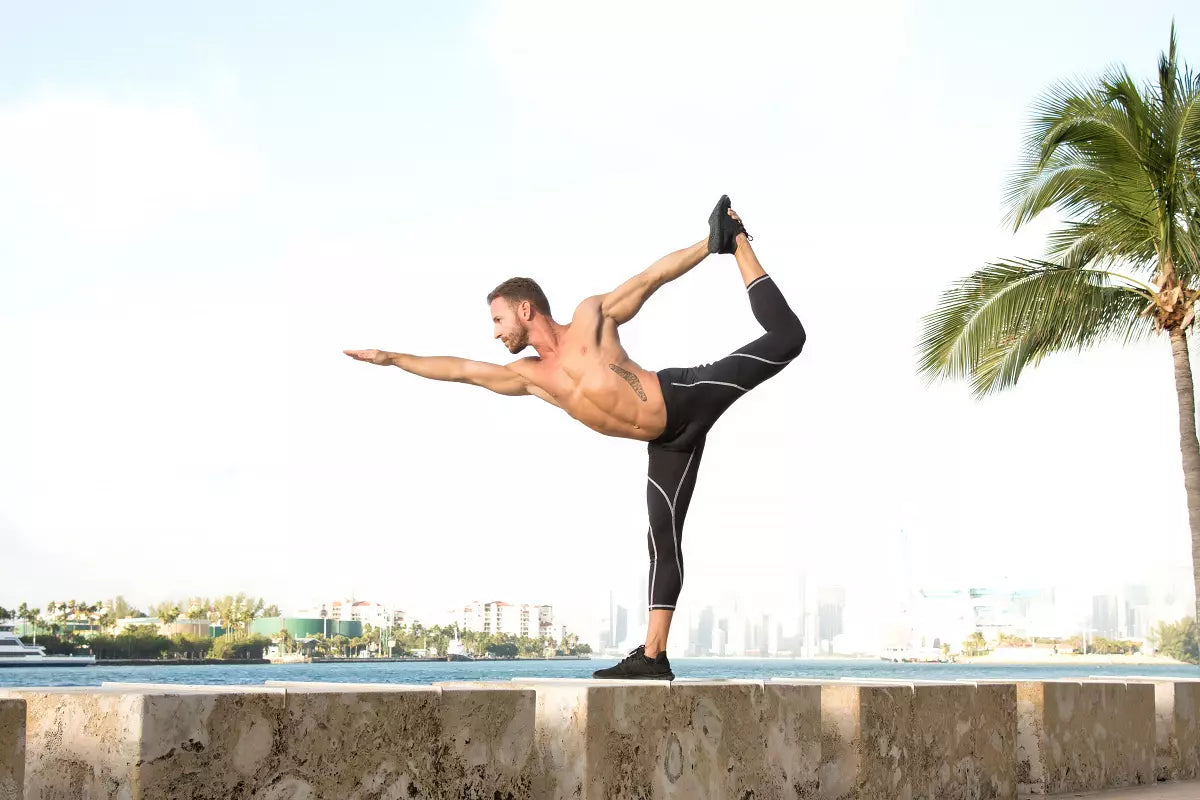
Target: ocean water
695	668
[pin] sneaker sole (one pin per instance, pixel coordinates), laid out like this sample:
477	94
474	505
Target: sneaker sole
670	677
714	224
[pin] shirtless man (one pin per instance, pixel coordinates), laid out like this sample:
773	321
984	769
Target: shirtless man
582	368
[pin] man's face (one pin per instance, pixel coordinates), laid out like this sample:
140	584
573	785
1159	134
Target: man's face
509	324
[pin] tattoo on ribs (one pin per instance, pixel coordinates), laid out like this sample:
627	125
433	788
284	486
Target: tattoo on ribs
631	379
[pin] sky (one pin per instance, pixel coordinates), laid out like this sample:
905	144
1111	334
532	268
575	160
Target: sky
204	206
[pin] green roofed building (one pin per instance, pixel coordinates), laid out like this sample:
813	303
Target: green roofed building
305	627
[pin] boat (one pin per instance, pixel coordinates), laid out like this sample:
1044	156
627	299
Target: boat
15	653
914	655
456	652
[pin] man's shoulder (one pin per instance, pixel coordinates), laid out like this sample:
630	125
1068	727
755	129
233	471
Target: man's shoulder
590	307
525	365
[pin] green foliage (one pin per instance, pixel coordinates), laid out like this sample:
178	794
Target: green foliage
975	645
1111	647
233	646
503	650
1179	640
1120	163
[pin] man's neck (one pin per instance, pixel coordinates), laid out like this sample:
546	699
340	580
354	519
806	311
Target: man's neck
546	336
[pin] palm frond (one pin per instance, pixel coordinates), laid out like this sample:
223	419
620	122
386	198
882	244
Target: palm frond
989	326
1085	149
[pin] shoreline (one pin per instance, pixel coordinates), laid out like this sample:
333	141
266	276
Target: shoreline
1067	659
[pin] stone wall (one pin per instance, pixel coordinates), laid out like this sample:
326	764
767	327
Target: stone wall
1077	736
917	740
300	742
587	740
12	748
1177	730
628	740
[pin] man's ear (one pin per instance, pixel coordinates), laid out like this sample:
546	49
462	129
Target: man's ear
525	310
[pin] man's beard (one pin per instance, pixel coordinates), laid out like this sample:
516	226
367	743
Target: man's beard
518	341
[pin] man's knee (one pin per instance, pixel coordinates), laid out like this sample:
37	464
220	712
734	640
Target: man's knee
793	337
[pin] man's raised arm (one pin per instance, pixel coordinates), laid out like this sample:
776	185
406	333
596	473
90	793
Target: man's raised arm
626	300
501	380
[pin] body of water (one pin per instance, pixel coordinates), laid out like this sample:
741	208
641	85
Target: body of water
695	668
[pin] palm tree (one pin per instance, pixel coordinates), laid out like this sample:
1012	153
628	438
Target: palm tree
1120	163
31	616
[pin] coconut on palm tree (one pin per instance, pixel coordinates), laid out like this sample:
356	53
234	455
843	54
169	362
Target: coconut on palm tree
1119	162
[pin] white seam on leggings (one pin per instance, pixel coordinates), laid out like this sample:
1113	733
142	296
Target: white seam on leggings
757	281
661	606
764	360
654	562
718	383
651	532
674	530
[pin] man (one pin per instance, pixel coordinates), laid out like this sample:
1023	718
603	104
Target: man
582	368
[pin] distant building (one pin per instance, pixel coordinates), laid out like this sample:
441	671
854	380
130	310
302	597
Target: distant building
831	609
500	617
306	627
1105	616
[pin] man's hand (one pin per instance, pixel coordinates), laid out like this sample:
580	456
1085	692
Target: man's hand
381	357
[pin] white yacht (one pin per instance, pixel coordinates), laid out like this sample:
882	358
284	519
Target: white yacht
15	653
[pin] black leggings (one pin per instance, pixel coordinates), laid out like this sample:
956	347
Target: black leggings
695	397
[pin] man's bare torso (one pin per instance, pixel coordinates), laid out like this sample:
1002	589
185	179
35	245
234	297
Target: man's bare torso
592	378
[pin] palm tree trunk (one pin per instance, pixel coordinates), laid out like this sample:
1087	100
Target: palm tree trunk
1189	446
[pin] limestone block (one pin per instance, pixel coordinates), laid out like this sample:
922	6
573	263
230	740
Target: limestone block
360	741
12	748
487	742
281	742
1084	736
451	740
740	739
967	742
598	740
917	741
692	739
175	742
1177	730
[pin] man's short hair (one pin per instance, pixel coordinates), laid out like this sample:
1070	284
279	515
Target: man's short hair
514	290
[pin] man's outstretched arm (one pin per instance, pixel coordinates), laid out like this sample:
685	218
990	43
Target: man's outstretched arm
495	377
622	303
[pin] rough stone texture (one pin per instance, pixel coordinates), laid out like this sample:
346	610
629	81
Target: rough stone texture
740	740
302	742
452	740
693	739
175	743
1084	736
1177	730
917	741
598	741
12	748
360	742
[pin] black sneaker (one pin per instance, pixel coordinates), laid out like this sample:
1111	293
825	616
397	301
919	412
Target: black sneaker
636	667
723	229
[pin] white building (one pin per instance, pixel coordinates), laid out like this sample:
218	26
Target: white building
368	612
500	617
